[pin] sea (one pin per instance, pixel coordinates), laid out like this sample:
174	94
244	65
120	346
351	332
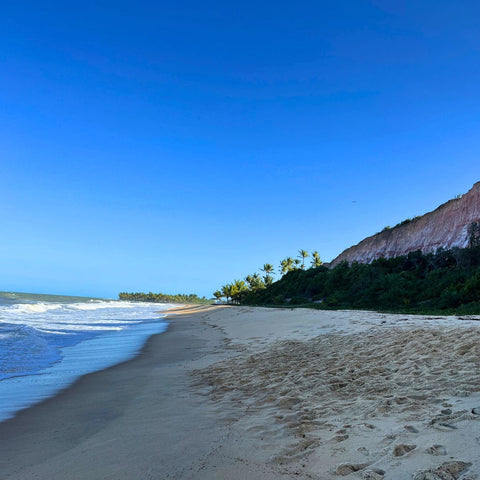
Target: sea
48	341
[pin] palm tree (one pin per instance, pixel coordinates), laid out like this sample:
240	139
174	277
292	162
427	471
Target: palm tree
267	268
267	278
254	281
238	288
303	255
227	291
287	265
290	264
218	294
316	262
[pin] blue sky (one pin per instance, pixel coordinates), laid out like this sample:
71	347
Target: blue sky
173	147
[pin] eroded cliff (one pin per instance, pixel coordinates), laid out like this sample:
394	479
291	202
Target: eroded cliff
447	226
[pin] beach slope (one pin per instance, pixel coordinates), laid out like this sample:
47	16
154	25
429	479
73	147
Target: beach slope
255	393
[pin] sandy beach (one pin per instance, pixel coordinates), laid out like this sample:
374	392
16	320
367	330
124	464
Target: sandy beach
257	393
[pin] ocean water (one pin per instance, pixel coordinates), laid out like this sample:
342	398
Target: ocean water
47	342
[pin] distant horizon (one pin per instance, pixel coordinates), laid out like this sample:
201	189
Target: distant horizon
208	296
115	297
44	294
90	297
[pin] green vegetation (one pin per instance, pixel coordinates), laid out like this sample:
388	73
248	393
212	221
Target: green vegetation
447	281
444	282
407	221
163	298
243	291
401	224
474	234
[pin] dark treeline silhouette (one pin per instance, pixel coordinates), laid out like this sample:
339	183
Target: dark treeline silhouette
162	297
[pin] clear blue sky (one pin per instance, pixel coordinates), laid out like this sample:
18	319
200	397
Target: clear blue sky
175	146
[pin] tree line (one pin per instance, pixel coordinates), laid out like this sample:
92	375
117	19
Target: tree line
240	289
445	281
163	297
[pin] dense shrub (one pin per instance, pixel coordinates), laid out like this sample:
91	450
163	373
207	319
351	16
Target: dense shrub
446	281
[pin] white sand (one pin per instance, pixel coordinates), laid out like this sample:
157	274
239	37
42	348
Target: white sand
263	394
353	393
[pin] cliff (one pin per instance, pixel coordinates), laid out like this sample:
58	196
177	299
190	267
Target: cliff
447	227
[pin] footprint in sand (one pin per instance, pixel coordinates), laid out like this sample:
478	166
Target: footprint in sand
446	471
363	450
375	474
348	468
401	450
436	450
410	428
366	426
445	427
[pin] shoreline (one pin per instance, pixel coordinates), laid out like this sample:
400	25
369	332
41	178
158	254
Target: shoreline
40	434
71	385
67	361
240	392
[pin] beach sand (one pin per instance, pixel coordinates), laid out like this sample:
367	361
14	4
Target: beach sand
257	393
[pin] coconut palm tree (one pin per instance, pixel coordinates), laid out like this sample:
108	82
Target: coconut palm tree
238	289
267	268
316	262
218	294
267	278
303	255
227	291
287	265
254	281
290	264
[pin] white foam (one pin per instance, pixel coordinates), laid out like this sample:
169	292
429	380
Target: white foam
88	356
36	336
34	307
101	304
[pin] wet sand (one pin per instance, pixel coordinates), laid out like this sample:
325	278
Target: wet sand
252	393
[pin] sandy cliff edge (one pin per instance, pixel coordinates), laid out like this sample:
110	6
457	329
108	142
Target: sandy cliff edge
446	227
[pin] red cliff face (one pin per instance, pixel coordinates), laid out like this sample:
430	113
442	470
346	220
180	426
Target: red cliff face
447	227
